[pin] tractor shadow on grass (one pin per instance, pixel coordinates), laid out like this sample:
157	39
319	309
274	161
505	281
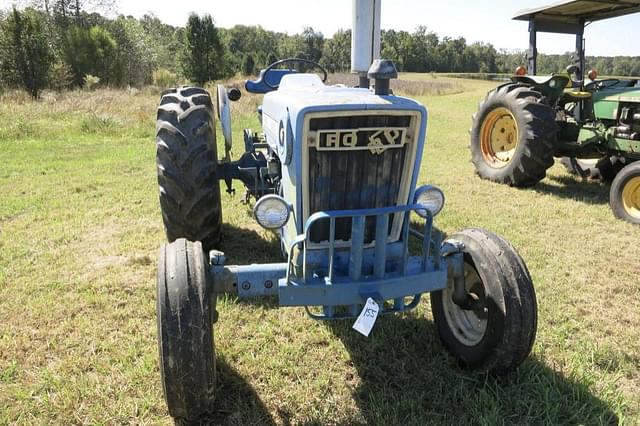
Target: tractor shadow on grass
237	402
574	188
407	377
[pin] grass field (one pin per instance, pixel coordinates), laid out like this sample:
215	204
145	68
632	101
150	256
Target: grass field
79	232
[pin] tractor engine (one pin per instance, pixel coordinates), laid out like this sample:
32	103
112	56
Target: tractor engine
629	122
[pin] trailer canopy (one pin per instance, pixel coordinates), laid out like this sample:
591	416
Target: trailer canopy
570	17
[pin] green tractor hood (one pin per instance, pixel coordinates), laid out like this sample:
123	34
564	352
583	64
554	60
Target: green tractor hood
605	102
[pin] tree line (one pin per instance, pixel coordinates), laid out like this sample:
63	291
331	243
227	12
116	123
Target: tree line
62	44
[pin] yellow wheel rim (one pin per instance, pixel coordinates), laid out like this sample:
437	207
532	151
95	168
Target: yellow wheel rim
499	137
631	197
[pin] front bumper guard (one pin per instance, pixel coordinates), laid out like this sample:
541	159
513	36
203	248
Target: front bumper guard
396	286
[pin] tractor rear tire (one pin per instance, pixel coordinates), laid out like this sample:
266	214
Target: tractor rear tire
185	310
496	336
187	167
624	195
513	136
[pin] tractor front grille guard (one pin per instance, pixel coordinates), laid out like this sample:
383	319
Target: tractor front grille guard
389	283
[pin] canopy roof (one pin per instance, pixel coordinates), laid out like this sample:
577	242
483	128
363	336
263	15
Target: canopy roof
577	12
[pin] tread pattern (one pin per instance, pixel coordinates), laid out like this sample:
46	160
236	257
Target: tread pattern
537	135
186	162
185	331
510	287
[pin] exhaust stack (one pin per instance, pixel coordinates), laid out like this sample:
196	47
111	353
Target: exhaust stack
365	37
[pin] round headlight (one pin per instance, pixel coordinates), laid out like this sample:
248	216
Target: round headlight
271	212
431	198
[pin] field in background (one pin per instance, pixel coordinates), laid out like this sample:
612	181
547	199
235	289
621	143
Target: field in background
79	232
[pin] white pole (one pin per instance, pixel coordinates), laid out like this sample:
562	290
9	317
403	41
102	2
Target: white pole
365	35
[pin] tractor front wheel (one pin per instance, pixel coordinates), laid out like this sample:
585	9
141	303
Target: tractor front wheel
185	310
497	332
624	196
513	136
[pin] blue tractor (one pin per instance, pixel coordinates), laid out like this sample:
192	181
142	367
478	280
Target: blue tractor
334	172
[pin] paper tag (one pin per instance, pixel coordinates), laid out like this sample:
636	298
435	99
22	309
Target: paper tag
367	318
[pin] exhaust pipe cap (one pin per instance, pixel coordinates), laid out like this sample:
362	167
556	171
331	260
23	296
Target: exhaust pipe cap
381	71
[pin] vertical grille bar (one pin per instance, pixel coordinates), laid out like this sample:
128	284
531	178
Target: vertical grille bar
426	242
405	239
332	240
357	248
382	230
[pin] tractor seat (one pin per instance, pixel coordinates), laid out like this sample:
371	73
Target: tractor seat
274	76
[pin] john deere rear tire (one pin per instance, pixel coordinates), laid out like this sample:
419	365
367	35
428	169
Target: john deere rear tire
513	136
624	196
185	311
497	334
187	166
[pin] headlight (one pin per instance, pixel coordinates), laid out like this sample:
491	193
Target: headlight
271	212
431	198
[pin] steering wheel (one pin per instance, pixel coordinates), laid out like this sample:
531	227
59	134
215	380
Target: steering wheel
603	84
293	60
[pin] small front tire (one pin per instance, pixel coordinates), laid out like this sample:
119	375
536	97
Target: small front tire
185	331
497	335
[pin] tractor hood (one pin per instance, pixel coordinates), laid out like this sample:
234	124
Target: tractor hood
303	91
605	102
618	95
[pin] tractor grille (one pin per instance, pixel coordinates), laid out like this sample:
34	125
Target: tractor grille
355	177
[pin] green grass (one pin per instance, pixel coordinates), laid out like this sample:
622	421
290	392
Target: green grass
79	233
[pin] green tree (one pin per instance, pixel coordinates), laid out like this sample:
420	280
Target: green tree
242	40
336	52
204	55
25	55
137	54
312	42
248	64
89	52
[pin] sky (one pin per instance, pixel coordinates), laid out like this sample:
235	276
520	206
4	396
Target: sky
486	20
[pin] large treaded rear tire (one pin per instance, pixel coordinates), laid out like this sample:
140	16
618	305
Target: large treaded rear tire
536	136
187	166
509	306
185	331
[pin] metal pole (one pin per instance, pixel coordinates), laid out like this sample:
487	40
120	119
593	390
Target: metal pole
581	65
365	37
532	53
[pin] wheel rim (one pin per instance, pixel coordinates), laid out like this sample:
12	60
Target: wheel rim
499	137
631	197
468	326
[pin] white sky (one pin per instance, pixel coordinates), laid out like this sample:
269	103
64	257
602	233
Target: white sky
484	20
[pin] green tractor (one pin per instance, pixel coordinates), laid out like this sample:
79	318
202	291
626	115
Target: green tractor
592	124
